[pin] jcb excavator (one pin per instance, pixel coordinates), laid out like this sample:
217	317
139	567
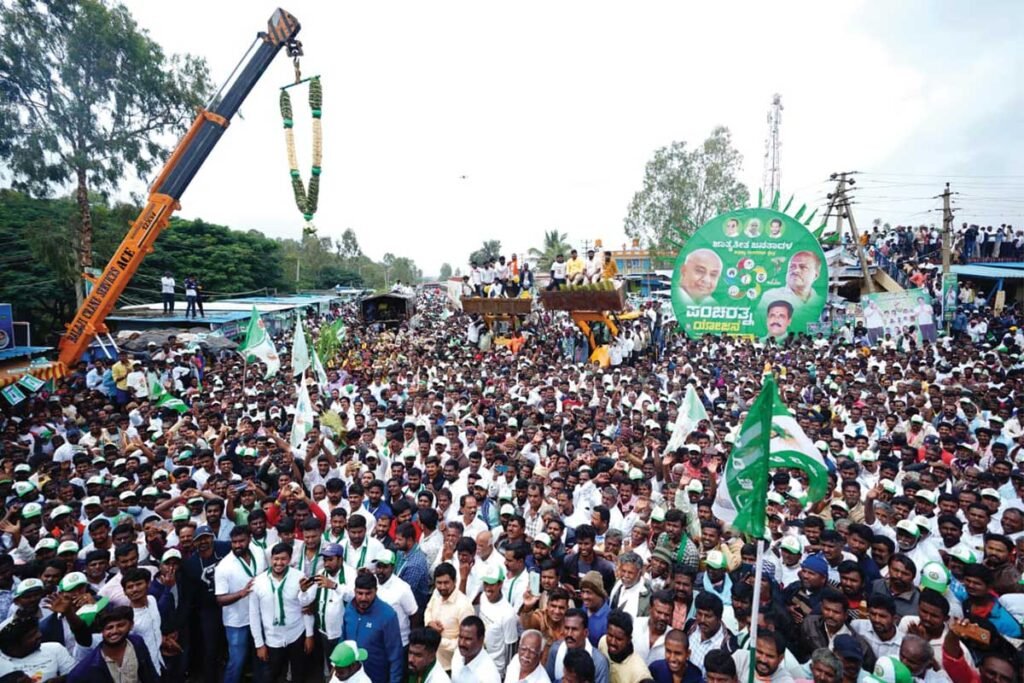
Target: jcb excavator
174	178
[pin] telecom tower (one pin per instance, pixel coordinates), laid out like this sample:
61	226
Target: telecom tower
771	180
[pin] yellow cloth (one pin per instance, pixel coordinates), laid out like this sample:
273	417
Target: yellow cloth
119	371
631	670
574	266
450	612
610	270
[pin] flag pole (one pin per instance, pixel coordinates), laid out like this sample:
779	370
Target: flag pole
766	440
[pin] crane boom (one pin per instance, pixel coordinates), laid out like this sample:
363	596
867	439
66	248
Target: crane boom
166	190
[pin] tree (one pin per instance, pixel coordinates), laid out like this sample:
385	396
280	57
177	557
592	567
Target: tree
84	95
490	251
446	272
683	189
555	243
348	247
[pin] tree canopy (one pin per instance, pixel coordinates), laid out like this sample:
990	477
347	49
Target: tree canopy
86	95
489	251
555	243
40	270
683	188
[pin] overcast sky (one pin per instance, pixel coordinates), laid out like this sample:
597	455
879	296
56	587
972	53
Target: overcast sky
551	109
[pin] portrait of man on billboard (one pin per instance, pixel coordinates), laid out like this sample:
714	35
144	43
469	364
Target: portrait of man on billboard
698	277
778	317
732	228
801	274
775	228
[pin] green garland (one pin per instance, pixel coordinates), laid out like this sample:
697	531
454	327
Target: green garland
306	200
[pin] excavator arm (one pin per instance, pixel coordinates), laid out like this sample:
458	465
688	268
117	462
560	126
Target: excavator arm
174	178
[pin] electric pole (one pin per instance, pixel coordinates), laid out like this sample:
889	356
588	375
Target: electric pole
947	226
948	284
840	200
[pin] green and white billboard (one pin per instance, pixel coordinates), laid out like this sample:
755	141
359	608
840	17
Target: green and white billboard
753	272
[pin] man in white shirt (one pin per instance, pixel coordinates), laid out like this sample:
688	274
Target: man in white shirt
167	290
360	550
137	381
347	663
233	579
282	634
422	656
472	524
395	592
525	666
879	629
471	662
500	620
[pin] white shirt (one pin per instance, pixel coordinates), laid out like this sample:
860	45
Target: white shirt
558	270
398	594
539	675
147	627
881	648
230	576
480	670
330	603
265	610
358	677
642	641
365	554
49	661
502	628
167	285
515	587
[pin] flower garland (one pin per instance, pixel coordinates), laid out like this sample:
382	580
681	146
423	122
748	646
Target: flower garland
305	200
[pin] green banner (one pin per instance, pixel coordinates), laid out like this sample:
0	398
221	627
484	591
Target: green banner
754	272
950	294
31	383
894	313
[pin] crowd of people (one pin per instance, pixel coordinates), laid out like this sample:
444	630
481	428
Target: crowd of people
469	514
503	278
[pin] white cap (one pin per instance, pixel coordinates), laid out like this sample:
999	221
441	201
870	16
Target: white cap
68	547
926	495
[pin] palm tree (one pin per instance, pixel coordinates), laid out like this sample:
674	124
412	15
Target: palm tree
555	243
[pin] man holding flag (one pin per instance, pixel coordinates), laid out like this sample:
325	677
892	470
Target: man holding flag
770	438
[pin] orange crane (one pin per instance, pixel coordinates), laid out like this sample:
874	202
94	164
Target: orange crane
166	190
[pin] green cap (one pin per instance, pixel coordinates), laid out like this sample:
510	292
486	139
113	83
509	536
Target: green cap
347	653
386	557
935	576
88	613
890	669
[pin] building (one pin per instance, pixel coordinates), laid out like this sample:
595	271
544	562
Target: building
632	259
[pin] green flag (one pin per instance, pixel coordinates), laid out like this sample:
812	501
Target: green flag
769	439
259	346
300	351
13	394
690	414
161	398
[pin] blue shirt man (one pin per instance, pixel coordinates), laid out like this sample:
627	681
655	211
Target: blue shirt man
373	624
